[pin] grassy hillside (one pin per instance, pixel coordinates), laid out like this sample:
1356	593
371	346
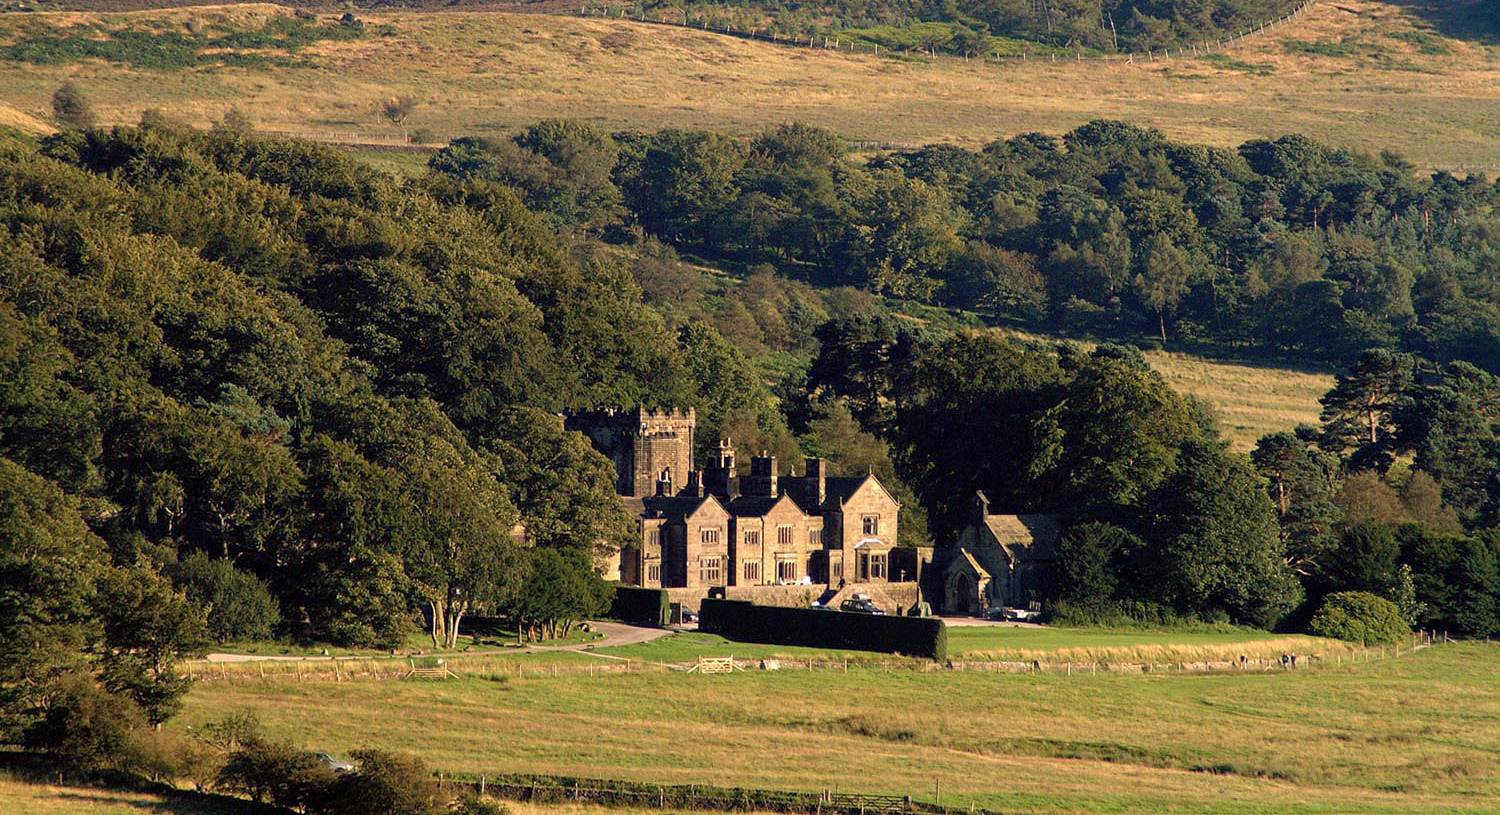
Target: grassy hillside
1412	734
1252	400
1365	73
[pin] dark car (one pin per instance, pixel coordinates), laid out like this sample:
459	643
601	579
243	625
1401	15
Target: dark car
689	616
860	605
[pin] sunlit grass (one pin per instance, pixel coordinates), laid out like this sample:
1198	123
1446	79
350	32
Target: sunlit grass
1414	734
1394	84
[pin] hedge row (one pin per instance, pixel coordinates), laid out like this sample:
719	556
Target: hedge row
644	606
816	628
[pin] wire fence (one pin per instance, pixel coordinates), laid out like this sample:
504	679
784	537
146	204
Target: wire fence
825	42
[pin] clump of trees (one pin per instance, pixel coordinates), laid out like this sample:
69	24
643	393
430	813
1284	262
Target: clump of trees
1287	246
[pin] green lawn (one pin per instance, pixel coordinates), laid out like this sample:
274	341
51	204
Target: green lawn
689	645
1415	734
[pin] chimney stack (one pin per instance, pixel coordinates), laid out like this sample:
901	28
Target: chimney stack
762	480
816	480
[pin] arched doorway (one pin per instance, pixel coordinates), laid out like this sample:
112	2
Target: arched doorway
961	594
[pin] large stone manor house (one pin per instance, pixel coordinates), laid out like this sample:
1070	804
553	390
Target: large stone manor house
708	527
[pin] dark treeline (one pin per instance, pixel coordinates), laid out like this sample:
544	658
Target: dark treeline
1105	25
1286	246
1396	495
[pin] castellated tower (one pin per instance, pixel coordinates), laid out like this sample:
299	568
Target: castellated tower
652	449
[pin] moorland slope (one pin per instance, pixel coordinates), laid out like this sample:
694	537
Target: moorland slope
1369	74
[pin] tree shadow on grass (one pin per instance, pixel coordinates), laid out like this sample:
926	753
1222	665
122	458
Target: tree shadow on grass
1473	20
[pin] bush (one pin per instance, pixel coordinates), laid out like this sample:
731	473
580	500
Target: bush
470	804
71	107
1358	616
240	606
739	620
87	726
644	606
387	783
276	772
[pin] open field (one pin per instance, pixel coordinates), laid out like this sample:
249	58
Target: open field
1414	734
1370	74
1252	399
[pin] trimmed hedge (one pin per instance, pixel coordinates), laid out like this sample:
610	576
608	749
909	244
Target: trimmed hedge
644	606
777	625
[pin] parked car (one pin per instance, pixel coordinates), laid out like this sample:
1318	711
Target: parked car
689	616
860	605
334	764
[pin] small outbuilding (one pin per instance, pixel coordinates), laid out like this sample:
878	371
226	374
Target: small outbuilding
999	561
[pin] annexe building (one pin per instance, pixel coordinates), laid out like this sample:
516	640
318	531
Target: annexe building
999	561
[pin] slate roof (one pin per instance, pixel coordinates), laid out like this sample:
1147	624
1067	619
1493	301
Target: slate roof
753	507
979	570
675	507
1026	537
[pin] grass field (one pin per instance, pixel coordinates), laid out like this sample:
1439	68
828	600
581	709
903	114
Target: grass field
1371	74
1252	400
1415	734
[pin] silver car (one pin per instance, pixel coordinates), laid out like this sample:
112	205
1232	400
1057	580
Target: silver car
334	764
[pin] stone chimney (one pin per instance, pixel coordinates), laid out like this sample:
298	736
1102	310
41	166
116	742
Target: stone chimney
816	481
981	507
664	482
762	479
694	484
720	478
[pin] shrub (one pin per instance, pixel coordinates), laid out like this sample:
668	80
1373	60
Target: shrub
739	620
1358	616
235	121
276	772
71	107
240	606
470	804
636	605
87	726
388	783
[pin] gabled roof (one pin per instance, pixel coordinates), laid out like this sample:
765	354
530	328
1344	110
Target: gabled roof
678	507
839	490
974	564
760	506
1026	537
